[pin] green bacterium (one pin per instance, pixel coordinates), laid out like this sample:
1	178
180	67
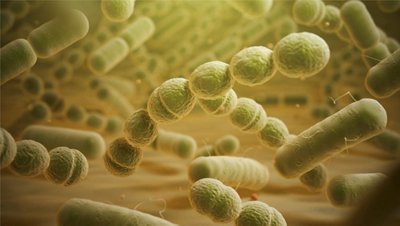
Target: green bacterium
205	150
227	145
122	158
140	130
248	115
8	148
59	33
233	171
252	8
316	178
113	98
171	101
307	12
252	66
388	6
359	24
114	125
301	55
54	100
16	57
285	27
349	189
32	159
375	54
211	80
37	112
331	22
225	48
7	19
388	141
33	84
76	113
220	106
62	72
382	80
105	58
392	44
274	134
19	8
117	10
256	213
125	86
96	121
90	213
138	32
212	198
344	35
180	145
91	144
351	125
75	58
67	166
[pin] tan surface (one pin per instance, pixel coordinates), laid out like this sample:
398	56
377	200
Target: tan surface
160	184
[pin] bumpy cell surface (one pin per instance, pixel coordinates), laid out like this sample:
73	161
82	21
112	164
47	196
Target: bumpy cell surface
212	198
301	55
252	66
140	129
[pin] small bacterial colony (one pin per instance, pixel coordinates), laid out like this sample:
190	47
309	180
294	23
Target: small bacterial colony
200	112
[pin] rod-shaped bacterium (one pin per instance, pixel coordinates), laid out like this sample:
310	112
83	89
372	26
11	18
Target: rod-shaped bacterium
16	57
180	145
359	24
233	171
117	10
138	32
349	189
90	213
108	56
382	80
316	178
59	33
351	125
91	144
252	8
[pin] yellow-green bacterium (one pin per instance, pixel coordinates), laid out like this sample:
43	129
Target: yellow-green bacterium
248	115
211	80
212	198
252	66
8	148
140	130
301	55
233	171
351	125
32	159
256	213
67	166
